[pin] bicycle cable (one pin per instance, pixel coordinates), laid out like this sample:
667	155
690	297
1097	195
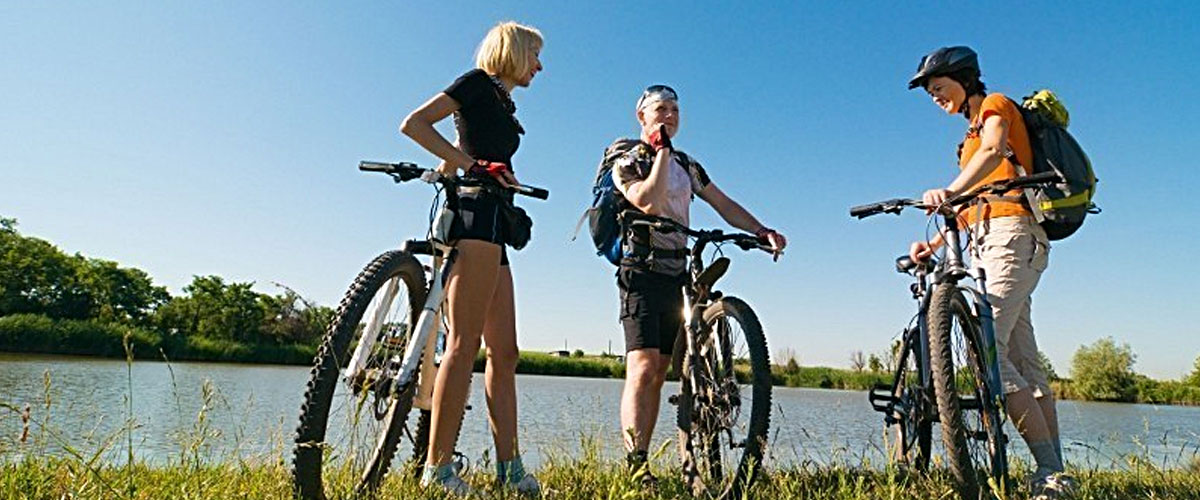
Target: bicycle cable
433	209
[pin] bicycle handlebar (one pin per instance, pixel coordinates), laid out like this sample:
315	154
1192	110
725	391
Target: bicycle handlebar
406	171
894	206
666	224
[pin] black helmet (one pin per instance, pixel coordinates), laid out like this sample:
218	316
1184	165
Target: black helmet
942	62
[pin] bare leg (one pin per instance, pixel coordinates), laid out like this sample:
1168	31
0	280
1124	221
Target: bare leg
1026	414
500	336
470	287
645	373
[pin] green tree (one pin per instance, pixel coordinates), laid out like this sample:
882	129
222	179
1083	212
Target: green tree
1047	366
1194	377
874	363
290	318
38	278
124	295
214	309
1104	371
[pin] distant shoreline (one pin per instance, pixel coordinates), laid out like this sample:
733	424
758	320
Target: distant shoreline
147	346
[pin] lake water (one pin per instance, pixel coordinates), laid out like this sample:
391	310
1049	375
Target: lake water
222	411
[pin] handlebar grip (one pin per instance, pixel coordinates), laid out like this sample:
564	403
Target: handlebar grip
864	210
375	166
533	192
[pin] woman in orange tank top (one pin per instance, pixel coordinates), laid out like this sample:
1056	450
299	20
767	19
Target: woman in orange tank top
1008	244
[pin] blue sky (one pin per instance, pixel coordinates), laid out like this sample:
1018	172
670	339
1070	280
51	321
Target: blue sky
222	138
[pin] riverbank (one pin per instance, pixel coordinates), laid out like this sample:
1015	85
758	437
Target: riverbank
565	478
26	333
31	333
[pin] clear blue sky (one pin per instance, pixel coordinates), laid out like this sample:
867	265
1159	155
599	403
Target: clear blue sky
222	138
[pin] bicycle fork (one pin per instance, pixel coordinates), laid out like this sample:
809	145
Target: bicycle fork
427	324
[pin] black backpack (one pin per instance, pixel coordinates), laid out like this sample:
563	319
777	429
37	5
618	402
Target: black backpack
1059	208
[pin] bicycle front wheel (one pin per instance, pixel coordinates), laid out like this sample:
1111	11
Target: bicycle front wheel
350	426
725	402
972	428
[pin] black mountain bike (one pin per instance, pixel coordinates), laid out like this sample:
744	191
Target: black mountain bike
722	423
947	369
378	358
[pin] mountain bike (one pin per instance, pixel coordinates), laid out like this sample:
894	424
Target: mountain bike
378	358
722	424
947	369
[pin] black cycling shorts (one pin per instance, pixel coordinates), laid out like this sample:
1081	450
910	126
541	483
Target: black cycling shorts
651	309
478	218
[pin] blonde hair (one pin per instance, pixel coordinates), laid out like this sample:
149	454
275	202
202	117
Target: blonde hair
505	50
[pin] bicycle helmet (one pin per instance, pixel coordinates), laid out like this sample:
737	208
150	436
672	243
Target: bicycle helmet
944	61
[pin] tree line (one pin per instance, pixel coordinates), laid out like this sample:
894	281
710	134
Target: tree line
51	301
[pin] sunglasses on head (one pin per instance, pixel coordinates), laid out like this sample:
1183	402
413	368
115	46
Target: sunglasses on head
660	92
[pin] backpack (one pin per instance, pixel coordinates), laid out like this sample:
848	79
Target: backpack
1059	208
607	202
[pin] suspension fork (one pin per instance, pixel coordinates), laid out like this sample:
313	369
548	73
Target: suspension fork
424	333
370	335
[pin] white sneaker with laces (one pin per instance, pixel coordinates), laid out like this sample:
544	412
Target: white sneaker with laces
1053	486
528	486
453	485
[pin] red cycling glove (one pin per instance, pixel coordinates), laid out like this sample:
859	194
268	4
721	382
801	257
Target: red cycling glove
494	169
659	140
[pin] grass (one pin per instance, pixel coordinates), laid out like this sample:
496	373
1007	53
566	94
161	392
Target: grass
567	478
44	464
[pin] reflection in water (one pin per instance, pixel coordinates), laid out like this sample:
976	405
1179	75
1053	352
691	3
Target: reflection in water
219	411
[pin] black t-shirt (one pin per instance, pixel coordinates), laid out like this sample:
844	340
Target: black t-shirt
486	130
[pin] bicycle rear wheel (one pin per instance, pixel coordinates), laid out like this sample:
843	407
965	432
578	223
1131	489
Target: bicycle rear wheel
972	427
912	429
723	423
349	429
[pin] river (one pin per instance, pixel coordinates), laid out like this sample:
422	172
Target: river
222	411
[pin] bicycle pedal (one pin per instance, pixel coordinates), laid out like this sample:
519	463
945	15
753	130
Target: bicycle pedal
881	398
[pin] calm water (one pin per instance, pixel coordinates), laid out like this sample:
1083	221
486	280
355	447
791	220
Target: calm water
251	410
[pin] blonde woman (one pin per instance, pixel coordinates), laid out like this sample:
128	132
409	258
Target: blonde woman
480	287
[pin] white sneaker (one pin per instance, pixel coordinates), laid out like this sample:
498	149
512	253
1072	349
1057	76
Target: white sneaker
527	486
454	485
1053	486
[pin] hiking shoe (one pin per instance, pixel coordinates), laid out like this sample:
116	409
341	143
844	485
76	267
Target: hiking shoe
638	464
1053	486
649	481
